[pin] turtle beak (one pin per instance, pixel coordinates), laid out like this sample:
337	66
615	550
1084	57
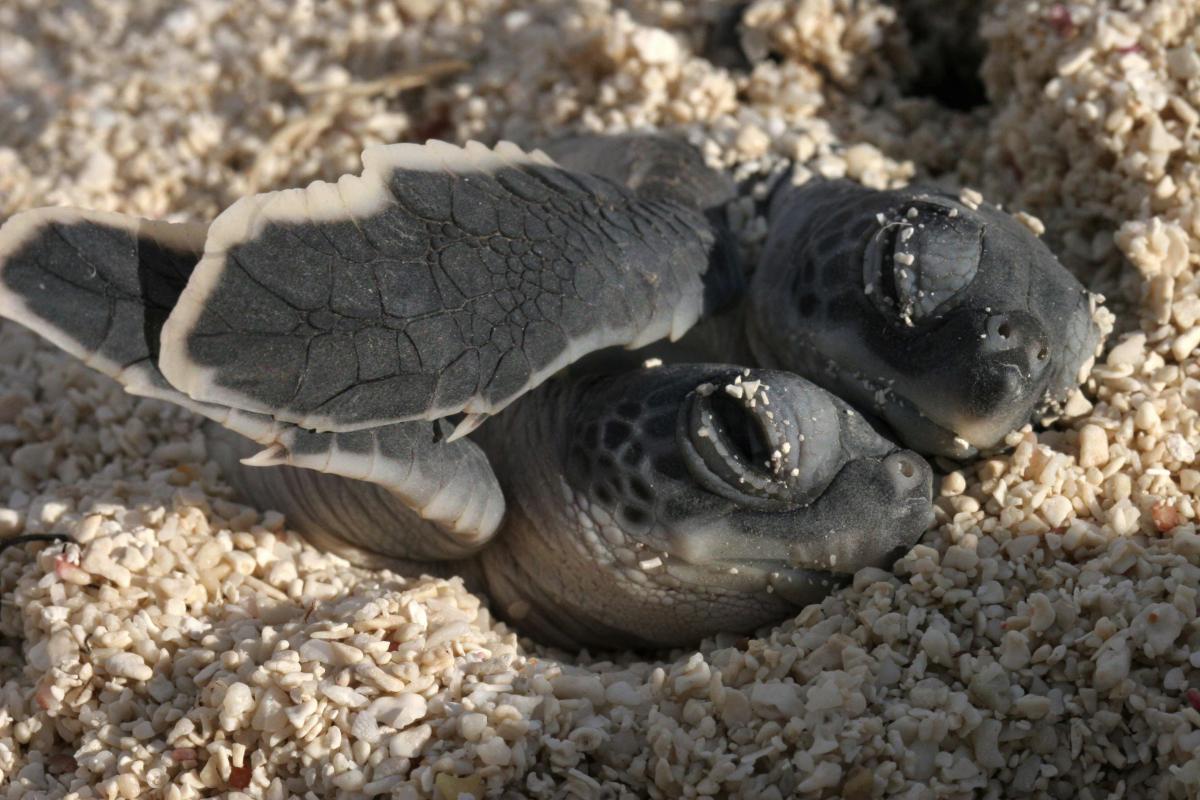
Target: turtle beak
876	534
872	512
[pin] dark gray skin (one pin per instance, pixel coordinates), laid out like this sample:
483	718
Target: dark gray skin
626	526
686	525
347	328
455	286
355	309
981	332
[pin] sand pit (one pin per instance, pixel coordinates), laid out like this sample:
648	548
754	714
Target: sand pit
1041	641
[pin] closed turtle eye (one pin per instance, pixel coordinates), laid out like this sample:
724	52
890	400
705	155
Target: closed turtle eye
920	258
731	449
765	440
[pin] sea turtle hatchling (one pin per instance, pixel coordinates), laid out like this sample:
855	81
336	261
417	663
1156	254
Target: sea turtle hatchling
942	317
350	338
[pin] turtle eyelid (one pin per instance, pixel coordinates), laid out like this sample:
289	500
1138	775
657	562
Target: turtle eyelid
915	265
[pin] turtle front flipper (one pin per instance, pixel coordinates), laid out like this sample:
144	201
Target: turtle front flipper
667	169
341	490
656	166
101	285
449	483
441	280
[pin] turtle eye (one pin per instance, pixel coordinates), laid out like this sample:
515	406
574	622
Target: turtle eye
736	446
731	441
921	257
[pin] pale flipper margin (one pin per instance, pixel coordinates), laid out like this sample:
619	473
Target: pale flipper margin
442	280
100	285
342	489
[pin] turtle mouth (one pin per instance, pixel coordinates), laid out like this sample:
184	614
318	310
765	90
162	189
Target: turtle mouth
793	585
922	433
911	425
960	434
735	446
870	513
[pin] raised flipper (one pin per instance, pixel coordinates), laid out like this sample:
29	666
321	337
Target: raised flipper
441	280
100	286
670	170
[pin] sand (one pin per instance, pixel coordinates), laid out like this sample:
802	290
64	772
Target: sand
1041	641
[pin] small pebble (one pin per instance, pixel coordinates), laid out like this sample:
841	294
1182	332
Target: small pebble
128	665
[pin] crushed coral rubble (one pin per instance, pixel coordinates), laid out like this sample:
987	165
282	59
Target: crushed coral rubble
1041	641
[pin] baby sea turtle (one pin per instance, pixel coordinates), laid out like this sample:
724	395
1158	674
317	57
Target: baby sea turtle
941	316
352	337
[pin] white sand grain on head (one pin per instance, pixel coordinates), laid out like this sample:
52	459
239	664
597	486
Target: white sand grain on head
1042	641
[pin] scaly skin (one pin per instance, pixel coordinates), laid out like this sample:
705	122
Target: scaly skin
954	325
650	507
443	280
627	527
654	508
982	331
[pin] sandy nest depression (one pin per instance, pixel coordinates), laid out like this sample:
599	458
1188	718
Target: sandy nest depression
1041	641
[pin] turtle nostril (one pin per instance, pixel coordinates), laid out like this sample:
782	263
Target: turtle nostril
999	333
1017	338
903	466
907	470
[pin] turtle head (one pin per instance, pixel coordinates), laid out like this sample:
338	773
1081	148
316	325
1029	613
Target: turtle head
701	499
952	322
786	488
